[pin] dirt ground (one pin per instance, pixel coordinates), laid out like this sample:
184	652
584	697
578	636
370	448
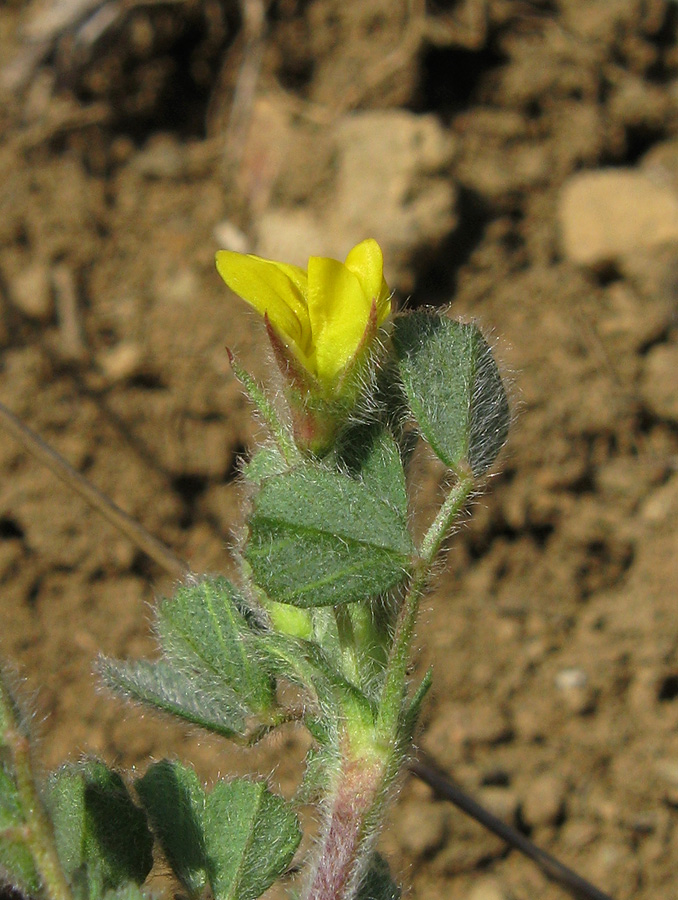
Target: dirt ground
453	132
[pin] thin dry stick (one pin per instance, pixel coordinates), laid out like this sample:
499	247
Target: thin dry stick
177	568
573	883
73	345
154	548
253	13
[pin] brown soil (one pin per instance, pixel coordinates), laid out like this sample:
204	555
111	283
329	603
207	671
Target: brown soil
554	628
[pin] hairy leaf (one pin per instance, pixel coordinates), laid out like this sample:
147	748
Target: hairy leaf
102	837
174	801
203	630
266	462
251	836
318	538
454	389
16	861
371	453
377	883
213	707
239	837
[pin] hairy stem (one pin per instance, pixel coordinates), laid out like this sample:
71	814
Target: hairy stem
361	786
349	830
37	832
396	671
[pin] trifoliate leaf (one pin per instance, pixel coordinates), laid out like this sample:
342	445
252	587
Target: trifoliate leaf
371	454
239	837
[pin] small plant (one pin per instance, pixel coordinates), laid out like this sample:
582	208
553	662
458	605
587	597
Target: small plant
326	601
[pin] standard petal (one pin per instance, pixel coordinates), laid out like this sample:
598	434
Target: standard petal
367	263
338	310
271	288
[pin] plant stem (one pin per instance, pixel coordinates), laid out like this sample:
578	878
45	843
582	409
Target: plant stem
37	833
344	848
361	784
393	691
351	663
447	513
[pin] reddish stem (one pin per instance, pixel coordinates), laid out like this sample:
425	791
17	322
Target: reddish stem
349	831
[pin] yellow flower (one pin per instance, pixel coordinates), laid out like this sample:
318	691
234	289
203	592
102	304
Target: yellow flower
326	315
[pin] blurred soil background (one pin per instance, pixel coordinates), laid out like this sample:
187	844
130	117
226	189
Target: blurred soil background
517	160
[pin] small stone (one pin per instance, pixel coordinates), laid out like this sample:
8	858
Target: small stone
488	889
288	233
162	157
605	214
659	385
652	272
568	679
179	286
455	726
579	834
411	207
575	690
607	862
460	855
229	237
544	802
32	292
661	162
634	320
121	362
667	769
662	504
421	827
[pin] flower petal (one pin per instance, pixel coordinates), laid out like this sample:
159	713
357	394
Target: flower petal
271	288
338	310
367	262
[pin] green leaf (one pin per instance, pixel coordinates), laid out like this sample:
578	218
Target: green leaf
371	453
377	883
102	838
193	698
304	664
454	389
316	781
174	801
265	462
267	411
318	538
251	836
240	837
411	713
202	629
16	860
